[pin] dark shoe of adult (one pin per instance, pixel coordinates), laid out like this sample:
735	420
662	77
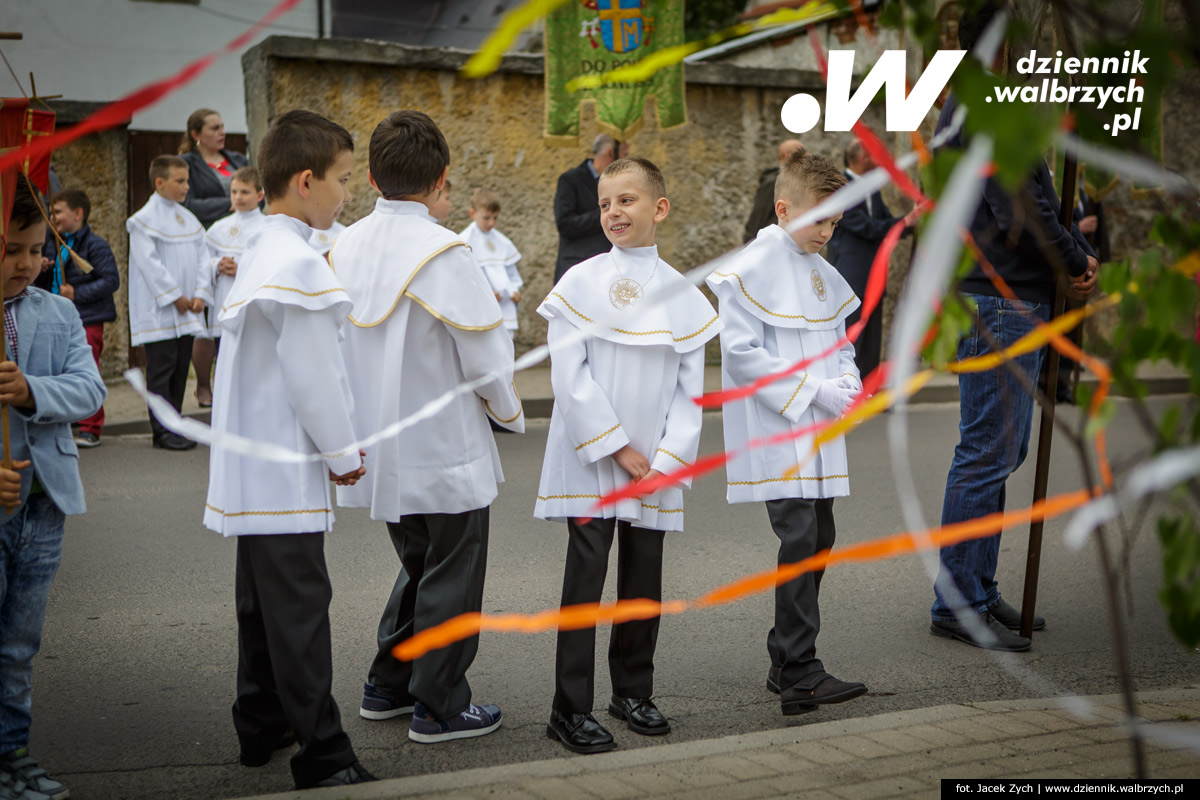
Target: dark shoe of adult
1009	617
641	714
355	773
830	690
773	678
173	441
1001	637
258	756
579	733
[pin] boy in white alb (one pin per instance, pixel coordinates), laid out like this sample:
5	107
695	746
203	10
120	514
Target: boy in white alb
281	380
167	293
495	253
424	322
782	302
322	240
229	237
623	412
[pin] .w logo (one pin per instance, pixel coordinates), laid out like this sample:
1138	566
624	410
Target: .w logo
801	111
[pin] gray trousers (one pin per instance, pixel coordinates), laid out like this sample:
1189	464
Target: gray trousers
804	528
443	561
285	657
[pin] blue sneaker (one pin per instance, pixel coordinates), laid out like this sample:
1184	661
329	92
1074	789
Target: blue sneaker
380	705
475	721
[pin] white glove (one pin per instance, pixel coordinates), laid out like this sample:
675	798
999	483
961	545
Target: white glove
833	398
849	382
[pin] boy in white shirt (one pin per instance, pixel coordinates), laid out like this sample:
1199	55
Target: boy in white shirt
424	322
782	302
623	412
229	237
282	381
495	253
167	294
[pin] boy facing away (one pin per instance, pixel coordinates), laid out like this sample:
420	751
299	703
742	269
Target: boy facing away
166	293
49	378
281	380
424	322
623	412
92	292
782	302
495	253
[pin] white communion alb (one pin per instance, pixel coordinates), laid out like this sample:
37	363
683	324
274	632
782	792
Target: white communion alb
167	259
228	237
497	256
781	305
425	321
630	383
322	240
280	379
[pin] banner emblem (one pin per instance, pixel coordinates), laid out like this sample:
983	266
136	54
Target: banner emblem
621	24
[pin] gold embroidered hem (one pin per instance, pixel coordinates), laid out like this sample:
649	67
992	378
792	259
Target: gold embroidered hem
672	455
784	480
514	417
778	314
441	318
598	438
268	513
793	397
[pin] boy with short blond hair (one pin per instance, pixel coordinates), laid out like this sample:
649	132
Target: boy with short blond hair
167	294
424	322
495	253
282	381
623	412
781	303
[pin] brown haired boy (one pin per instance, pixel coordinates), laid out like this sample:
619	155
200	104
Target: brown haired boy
282	381
781	302
166	290
495	253
425	320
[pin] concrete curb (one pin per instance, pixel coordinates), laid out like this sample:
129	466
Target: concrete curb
668	755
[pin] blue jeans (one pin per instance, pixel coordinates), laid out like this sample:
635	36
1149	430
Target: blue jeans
30	549
996	415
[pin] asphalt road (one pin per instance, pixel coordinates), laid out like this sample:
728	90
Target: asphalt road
136	675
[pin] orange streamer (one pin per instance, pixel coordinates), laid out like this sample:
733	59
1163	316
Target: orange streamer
593	614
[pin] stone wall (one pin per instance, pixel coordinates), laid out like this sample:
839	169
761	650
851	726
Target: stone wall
99	165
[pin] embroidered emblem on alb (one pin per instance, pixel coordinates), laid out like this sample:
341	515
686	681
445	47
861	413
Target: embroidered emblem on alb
818	284
323	238
490	245
624	292
179	218
234	231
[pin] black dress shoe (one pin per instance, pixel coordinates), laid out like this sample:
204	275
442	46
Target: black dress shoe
773	678
259	756
355	773
173	441
579	733
1001	638
1009	617
641	714
798	700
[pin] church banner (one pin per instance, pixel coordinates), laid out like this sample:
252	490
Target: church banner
590	37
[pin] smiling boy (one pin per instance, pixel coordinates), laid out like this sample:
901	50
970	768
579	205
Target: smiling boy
623	412
282	380
781	303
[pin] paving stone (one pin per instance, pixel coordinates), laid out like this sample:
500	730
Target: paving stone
970	730
743	790
901	740
738	768
657	781
887	787
781	762
1014	724
820	753
556	788
1104	733
1159	712
936	735
860	746
1060	740
974	752
608	785
1051	721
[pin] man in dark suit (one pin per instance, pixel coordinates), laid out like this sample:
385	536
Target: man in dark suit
852	251
762	213
577	208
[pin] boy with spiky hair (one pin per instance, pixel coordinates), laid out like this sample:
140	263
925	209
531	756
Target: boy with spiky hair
167	295
424	322
623	412
781	303
281	380
495	253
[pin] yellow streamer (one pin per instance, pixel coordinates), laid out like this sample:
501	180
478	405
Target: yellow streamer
487	60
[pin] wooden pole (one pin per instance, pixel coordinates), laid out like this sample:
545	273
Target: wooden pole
1041	473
